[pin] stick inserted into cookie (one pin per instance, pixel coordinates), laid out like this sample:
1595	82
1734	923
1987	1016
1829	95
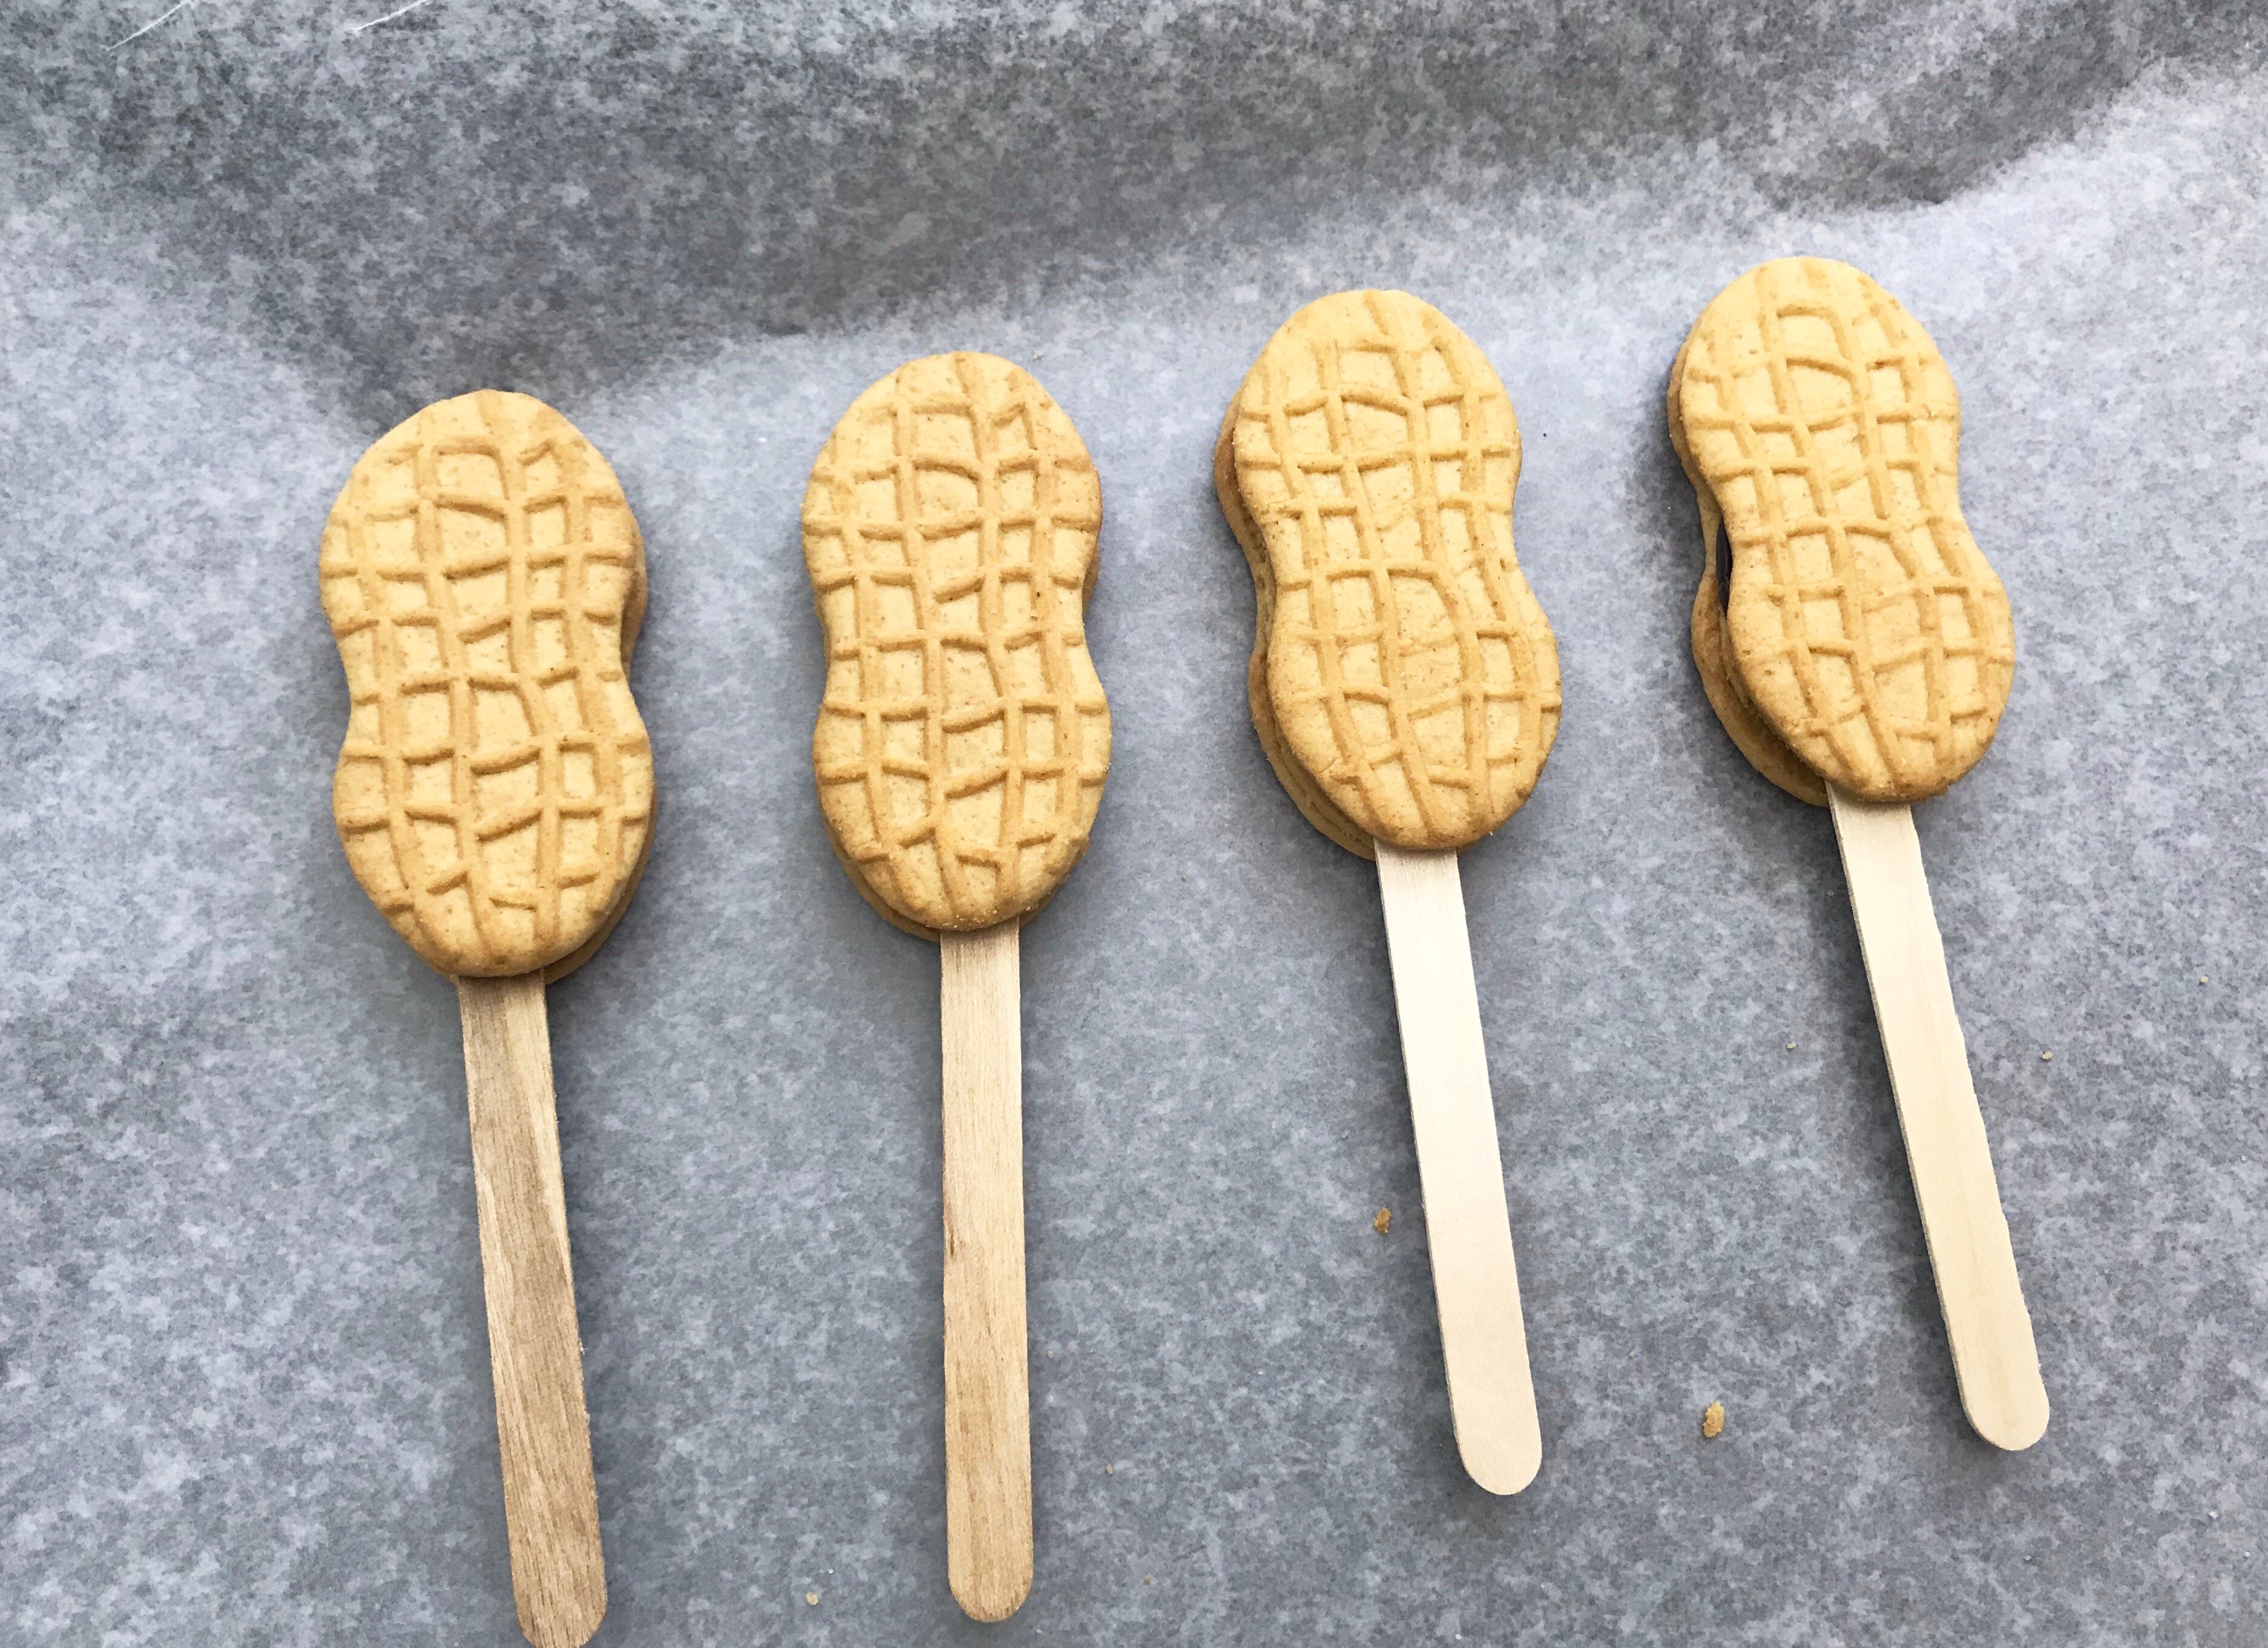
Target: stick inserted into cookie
535	1351
484	581
1405	687
988	1425
1860	656
1468	1224
949	529
1986	1324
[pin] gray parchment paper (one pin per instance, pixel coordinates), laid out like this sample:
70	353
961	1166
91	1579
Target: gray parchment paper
243	1387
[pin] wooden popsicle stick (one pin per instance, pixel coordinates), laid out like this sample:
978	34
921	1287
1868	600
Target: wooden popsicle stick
1468	1226
1994	1360
988	1423
535	1353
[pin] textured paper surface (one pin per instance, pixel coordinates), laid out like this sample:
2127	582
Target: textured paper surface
243	1390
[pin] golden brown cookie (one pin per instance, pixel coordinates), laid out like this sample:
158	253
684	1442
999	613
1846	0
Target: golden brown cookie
1866	643
1404	682
484	581
949	529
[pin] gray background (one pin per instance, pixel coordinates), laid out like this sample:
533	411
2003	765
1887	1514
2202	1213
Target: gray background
244	1390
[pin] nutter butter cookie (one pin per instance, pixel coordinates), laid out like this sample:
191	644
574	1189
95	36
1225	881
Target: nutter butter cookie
1865	642
1860	657
484	581
949	529
1403	681
1405	687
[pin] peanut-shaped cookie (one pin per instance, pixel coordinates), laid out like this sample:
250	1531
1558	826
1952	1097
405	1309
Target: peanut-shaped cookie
1866	642
484	581
1403	682
963	739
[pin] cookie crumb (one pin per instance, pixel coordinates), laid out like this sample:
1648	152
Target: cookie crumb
811	1597
1385	1217
1791	1046
2200	978
2047	1058
1712	1420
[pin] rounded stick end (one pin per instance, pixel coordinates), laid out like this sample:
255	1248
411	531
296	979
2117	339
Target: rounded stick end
991	1598
1503	1464
2014	1422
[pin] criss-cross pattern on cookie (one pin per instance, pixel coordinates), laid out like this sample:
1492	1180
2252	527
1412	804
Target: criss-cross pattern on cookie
1411	670
1827	427
495	788
949	529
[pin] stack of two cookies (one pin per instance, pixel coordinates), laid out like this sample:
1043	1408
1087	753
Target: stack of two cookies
1860	639
1404	682
949	529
